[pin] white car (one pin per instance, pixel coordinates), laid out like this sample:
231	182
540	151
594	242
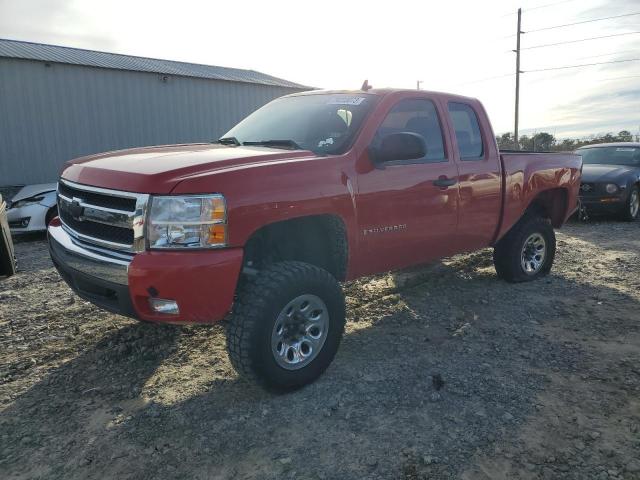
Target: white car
32	208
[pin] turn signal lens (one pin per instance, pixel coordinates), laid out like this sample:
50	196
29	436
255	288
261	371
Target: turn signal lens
217	234
219	210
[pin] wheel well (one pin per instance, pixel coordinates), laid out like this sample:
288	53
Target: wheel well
551	204
51	213
320	240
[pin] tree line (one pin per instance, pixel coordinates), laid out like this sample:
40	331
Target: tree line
544	141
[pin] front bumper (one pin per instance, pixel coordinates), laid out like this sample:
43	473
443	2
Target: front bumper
603	204
30	218
202	282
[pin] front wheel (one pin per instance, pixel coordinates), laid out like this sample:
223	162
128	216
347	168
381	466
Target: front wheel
286	325
631	211
527	251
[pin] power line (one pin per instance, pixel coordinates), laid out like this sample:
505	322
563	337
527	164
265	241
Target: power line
580	23
538	7
618	78
485	79
580	40
581	65
608	54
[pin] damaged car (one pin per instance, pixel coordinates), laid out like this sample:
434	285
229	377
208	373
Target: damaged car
32	208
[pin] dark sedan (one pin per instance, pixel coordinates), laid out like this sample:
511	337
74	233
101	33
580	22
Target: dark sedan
611	179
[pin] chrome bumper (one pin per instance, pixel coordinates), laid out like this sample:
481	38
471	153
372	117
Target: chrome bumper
95	262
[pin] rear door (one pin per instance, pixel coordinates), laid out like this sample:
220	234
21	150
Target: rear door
407	210
480	175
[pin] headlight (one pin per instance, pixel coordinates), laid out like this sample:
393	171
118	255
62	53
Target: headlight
25	202
611	188
193	221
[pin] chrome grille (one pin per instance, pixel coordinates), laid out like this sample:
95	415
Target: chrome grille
103	217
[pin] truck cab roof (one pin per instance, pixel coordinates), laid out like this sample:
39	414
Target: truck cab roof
381	92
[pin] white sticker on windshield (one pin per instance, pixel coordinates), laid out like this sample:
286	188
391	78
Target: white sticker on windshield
345	100
625	149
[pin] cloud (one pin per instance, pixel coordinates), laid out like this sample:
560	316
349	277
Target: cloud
53	21
597	113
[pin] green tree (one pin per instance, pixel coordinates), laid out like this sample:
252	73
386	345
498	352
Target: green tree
625	136
543	141
505	141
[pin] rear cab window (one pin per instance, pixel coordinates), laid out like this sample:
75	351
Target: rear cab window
467	129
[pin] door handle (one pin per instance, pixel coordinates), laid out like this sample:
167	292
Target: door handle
444	182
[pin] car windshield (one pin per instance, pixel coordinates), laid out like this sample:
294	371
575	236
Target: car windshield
322	123
611	155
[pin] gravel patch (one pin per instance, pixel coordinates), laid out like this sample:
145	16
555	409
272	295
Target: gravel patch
444	372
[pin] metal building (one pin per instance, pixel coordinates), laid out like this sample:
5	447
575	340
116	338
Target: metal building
59	103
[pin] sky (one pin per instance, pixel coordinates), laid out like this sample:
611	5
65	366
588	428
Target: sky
457	46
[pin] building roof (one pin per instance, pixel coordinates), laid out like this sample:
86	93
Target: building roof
91	58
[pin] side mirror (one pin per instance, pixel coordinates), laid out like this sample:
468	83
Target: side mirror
400	146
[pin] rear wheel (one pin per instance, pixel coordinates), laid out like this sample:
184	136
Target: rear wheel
527	251
631	211
286	325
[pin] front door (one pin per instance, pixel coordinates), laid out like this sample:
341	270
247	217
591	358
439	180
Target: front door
408	210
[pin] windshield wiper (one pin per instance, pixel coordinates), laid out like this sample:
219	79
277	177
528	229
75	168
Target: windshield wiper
228	141
288	144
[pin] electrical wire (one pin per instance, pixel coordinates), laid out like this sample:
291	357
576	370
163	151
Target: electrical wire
579	40
618	78
580	23
581	65
485	79
607	54
538	7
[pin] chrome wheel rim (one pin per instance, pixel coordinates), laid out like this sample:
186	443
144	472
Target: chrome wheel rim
299	332
533	254
634	204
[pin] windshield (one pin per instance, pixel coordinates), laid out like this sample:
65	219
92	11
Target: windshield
611	155
322	123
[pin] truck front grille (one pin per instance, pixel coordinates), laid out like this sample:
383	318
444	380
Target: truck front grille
103	217
99	199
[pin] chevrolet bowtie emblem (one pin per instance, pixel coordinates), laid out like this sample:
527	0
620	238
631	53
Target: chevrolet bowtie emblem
75	209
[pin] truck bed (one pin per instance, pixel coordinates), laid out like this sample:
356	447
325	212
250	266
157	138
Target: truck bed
528	173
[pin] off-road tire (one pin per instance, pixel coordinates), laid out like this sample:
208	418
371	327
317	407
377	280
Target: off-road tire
256	310
626	213
507	253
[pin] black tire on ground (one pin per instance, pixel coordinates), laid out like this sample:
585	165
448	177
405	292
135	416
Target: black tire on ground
524	240
261	303
631	212
51	214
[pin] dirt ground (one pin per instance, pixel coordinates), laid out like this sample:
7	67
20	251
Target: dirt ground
541	380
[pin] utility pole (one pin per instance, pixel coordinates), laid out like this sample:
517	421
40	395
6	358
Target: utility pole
418	82
517	50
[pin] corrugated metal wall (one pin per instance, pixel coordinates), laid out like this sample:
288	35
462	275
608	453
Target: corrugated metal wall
50	114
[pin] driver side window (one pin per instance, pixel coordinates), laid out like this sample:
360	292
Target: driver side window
418	116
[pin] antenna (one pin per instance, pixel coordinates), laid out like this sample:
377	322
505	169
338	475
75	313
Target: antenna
365	86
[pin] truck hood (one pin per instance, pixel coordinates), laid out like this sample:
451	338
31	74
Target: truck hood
595	173
159	169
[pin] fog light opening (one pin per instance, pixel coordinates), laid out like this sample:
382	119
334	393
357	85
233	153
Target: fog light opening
161	305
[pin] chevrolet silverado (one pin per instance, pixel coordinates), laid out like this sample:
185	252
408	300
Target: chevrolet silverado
311	190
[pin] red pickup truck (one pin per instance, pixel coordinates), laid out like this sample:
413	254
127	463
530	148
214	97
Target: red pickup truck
311	190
